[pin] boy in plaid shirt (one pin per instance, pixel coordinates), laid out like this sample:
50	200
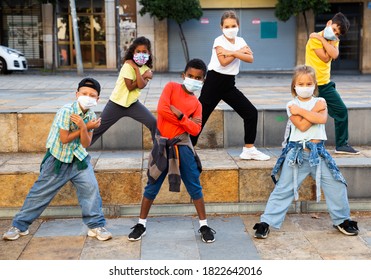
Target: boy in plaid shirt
67	160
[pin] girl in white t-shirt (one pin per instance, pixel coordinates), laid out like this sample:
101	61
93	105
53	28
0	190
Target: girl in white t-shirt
227	53
305	154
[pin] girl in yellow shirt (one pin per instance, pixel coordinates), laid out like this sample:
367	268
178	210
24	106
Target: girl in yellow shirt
123	102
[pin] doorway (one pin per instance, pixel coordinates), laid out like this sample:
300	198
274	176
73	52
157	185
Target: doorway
349	48
92	33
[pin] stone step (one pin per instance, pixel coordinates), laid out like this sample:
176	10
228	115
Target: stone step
230	185
224	129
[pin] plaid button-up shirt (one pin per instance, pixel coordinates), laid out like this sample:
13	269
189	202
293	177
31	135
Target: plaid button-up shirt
66	152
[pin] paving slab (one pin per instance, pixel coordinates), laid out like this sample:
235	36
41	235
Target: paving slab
54	248
170	238
117	248
335	246
64	227
231	240
11	250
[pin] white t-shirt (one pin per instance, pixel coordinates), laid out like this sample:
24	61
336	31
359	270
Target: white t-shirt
316	131
232	68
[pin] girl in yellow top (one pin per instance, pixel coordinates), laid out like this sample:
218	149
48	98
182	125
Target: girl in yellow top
123	102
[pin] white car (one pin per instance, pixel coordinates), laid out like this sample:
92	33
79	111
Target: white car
11	60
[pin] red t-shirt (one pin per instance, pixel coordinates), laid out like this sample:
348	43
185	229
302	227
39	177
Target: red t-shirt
167	122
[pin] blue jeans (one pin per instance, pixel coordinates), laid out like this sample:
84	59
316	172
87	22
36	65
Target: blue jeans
47	186
188	172
283	194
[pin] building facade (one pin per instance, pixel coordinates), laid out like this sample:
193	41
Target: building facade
44	32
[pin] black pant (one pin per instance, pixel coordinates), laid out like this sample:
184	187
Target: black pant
112	112
222	87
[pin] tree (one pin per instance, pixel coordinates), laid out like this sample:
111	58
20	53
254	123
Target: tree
287	8
180	11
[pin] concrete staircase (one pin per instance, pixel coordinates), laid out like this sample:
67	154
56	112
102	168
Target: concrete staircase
231	185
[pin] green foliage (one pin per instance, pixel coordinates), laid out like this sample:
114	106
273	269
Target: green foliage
180	11
287	8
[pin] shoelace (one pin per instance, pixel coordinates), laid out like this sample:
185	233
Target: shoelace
101	229
15	229
260	228
207	229
138	227
353	224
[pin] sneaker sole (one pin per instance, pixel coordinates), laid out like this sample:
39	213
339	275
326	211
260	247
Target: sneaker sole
17	236
207	241
345	232
347	153
92	234
262	236
251	158
139	238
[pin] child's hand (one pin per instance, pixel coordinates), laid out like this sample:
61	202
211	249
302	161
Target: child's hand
294	109
147	75
175	111
315	35
196	120
93	124
221	51
76	119
246	50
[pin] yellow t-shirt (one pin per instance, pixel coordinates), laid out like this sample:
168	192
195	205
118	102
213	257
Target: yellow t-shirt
323	69
120	94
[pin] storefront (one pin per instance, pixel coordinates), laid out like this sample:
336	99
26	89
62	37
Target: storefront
44	33
20	28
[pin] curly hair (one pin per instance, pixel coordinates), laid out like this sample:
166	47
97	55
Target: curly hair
139	42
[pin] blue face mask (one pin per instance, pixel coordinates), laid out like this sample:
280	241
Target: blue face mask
192	85
329	34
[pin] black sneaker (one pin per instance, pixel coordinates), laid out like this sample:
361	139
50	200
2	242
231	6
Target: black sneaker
348	227
207	234
261	230
346	149
138	231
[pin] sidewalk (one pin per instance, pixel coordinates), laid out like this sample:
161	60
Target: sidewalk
302	237
47	93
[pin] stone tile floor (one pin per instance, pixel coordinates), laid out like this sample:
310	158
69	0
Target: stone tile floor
302	237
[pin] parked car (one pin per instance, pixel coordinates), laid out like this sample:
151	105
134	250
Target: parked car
11	60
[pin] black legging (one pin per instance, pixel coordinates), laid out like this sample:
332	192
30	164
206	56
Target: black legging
222	87
112	112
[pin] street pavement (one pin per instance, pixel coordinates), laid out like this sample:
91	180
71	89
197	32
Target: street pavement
302	237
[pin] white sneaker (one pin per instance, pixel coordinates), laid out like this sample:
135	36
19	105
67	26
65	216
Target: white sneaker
253	153
100	233
14	233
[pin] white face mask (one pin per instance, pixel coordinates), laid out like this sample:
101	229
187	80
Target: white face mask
192	85
329	34
86	102
230	33
304	92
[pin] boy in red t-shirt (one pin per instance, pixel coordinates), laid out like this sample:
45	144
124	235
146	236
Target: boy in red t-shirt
179	115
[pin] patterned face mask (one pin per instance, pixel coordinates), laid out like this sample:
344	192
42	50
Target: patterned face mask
141	58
